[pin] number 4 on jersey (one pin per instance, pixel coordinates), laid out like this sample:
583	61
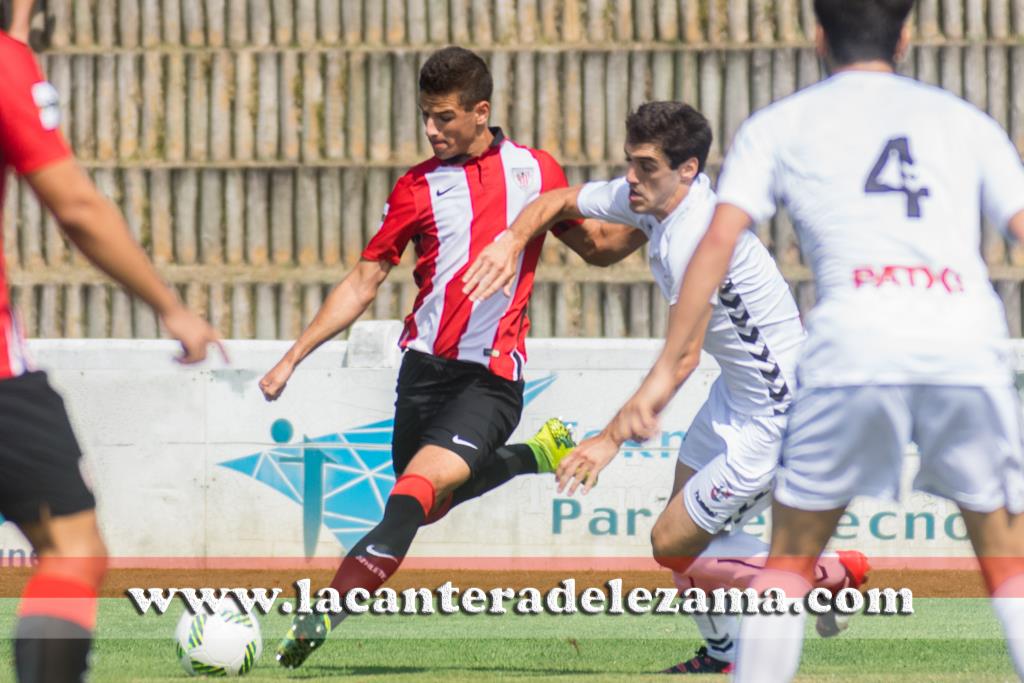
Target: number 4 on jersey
894	172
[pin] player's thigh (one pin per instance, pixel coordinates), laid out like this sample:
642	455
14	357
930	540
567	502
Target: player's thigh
675	534
39	454
970	443
998	540
842	442
422	390
477	420
682	475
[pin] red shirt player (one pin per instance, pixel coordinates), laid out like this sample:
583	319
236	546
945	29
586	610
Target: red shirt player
460	389
42	489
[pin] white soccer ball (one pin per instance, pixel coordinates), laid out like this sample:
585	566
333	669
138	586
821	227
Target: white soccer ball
227	643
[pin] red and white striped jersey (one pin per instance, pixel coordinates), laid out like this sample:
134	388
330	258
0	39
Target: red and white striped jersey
451	212
29	140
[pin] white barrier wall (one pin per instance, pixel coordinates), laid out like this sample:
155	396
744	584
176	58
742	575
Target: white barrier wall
192	462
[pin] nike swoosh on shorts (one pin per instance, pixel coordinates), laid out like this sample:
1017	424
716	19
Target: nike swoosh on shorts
462	442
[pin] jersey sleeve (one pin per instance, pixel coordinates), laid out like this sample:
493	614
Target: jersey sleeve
1002	175
608	201
552	177
400	222
29	118
748	177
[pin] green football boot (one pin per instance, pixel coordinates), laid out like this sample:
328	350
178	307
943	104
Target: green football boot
307	633
551	444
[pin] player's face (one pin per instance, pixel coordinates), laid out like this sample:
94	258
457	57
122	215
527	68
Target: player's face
653	183
452	129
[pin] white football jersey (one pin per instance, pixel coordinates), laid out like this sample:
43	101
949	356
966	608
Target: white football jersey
885	179
754	333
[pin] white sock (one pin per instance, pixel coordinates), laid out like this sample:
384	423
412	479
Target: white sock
830	573
732	560
770	645
1008	603
719	631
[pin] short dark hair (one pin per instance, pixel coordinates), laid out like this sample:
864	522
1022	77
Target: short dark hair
862	30
456	70
678	129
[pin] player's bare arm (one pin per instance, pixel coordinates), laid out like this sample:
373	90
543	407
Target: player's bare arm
98	229
603	244
495	267
583	465
1016	226
343	306
707	269
597	242
20	19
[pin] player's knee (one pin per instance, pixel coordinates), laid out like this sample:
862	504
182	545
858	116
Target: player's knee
671	549
82	554
443	469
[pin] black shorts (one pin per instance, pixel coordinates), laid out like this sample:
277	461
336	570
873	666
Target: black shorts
39	455
454	404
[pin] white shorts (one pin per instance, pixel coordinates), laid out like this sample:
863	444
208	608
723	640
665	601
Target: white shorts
735	456
849	441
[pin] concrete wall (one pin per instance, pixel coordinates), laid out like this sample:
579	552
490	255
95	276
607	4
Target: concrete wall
193	463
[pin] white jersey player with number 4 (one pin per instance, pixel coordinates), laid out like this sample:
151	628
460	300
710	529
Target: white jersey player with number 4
908	333
909	340
885	180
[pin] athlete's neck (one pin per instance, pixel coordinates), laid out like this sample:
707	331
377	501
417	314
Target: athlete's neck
673	202
479	145
874	66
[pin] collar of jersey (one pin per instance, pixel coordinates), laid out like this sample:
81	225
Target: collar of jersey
462	159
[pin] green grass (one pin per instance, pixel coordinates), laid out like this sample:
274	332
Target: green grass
945	640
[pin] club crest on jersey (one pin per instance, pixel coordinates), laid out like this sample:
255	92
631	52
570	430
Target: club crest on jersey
720	493
523	177
46	98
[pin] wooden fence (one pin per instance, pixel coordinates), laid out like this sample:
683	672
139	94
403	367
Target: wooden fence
252	144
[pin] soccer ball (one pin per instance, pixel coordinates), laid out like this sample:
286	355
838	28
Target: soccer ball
227	643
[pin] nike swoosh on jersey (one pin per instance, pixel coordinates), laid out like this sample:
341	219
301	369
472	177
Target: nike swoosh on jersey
462	442
376	553
441	193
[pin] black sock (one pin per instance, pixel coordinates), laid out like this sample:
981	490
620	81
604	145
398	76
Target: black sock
379	553
509	462
50	650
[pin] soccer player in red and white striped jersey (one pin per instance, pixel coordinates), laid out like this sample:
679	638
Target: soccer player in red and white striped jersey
42	490
460	389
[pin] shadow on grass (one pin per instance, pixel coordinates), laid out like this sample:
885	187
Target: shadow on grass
319	672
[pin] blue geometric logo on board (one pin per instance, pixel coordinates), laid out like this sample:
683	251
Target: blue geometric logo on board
342	481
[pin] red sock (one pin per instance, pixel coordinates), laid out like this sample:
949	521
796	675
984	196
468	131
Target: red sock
59	597
415	486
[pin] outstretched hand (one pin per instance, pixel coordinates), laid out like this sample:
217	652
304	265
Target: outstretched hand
585	462
494	268
194	334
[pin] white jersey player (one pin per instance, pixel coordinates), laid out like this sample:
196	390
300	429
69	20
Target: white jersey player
752	329
885	180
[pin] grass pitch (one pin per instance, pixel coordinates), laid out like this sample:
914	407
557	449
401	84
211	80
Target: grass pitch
947	639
